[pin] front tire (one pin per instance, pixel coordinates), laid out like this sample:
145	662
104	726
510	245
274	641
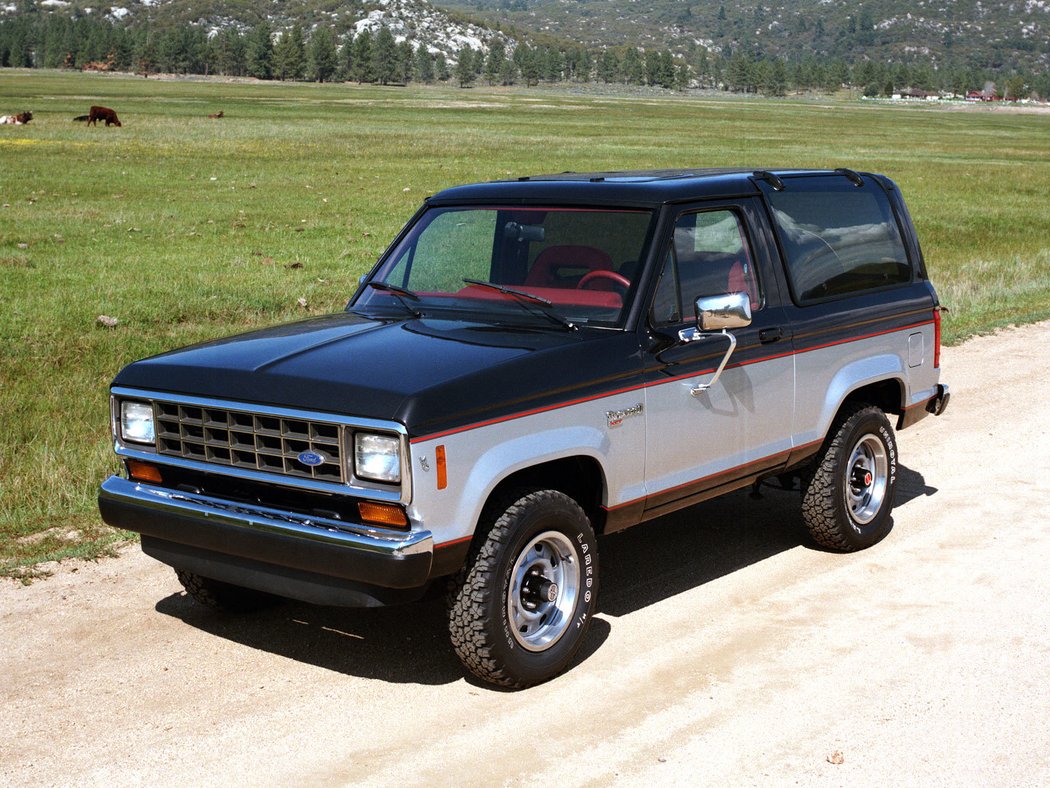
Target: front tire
521	607
223	596
848	494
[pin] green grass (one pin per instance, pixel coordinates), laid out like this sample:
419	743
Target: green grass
185	228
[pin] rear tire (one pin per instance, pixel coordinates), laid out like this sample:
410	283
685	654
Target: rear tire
848	491
223	596
521	607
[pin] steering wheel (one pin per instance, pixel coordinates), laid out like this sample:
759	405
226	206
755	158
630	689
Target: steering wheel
612	276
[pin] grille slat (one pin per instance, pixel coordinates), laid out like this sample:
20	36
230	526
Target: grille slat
250	440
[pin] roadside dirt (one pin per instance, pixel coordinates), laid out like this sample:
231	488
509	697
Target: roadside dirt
727	651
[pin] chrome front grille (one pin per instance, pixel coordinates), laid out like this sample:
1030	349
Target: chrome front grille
253	441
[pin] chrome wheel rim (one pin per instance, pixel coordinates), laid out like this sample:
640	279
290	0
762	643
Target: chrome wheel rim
867	479
541	596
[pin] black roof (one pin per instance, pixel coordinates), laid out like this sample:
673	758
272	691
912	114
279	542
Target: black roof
637	187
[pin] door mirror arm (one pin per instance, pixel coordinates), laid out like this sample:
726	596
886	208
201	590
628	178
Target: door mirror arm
715	315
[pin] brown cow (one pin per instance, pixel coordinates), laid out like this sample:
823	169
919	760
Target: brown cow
96	114
217	115
16	120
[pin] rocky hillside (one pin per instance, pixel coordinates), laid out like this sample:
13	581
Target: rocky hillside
416	20
993	34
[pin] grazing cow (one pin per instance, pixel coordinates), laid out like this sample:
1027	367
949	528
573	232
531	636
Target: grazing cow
102	113
217	115
16	120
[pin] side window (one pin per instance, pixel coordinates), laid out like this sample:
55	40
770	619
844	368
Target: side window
838	239
709	256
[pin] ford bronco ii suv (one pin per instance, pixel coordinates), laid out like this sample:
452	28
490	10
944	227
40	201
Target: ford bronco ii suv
530	364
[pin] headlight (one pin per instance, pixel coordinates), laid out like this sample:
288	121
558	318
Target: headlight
377	457
136	422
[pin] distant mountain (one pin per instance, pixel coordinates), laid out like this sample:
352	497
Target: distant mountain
705	38
986	34
417	20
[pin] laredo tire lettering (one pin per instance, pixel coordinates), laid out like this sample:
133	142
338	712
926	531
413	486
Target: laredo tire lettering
528	543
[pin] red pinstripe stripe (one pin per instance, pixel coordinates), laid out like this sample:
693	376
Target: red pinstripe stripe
454	542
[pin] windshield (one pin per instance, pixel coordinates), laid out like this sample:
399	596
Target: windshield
567	266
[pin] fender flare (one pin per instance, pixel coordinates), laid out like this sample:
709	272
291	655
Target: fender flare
855	376
503	460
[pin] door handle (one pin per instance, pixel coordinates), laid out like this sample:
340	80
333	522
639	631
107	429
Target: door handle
767	335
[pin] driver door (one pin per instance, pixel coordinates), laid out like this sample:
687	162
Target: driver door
702	442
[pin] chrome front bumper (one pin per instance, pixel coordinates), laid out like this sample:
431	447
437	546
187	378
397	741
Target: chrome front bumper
264	536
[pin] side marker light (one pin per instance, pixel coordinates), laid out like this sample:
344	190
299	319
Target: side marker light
442	471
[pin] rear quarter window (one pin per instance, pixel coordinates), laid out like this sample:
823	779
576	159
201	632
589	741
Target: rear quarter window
838	239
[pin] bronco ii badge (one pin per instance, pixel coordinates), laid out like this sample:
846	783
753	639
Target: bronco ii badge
616	417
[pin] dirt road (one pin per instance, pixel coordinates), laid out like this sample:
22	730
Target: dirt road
727	650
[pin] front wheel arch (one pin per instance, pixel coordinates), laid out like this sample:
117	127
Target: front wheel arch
580	477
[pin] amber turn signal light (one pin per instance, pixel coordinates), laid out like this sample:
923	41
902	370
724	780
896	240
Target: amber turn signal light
383	514
144	472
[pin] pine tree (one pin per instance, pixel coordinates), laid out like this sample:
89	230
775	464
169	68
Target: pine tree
702	65
361	68
465	67
260	51
682	76
529	63
775	83
739	73
289	54
507	72
424	65
122	49
554	65
633	68
228	52
346	57
608	67
494	62
384	56
650	67
441	67
405	57
321	56
586	66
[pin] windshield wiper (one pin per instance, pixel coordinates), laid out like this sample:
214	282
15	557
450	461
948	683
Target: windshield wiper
526	300
400	293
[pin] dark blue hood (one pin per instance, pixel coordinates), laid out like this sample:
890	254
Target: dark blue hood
428	374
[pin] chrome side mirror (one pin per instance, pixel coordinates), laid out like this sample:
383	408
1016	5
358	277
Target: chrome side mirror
718	314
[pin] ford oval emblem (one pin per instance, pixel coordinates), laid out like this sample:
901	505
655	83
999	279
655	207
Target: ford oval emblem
311	458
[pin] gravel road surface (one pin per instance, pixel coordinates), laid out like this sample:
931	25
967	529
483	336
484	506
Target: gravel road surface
727	650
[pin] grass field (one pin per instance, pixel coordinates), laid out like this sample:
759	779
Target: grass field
185	228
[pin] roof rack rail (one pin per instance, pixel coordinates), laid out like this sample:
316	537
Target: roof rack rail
774	181
851	176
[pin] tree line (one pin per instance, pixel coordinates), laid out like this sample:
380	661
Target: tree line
37	40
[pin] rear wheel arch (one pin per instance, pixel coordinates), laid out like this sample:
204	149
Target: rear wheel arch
887	395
